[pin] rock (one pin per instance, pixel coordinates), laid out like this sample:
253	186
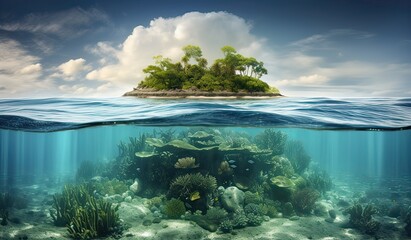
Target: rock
332	214
232	199
135	187
157	220
329	220
147	223
128	199
294	218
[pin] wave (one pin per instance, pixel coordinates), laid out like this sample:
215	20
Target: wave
57	114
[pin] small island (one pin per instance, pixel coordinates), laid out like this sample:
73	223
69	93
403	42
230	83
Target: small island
233	76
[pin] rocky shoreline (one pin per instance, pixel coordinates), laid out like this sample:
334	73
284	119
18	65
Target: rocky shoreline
150	93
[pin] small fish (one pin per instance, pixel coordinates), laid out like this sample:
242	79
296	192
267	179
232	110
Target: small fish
233	166
231	161
195	196
247	169
250	161
138	169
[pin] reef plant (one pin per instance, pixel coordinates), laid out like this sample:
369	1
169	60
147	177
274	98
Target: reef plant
319	180
271	139
185	186
361	218
304	200
85	216
295	152
86	171
407	221
174	208
6	202
186	163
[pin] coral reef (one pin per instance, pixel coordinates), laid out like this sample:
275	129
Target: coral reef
297	155
319	180
271	139
304	200
232	198
174	208
85	216
183	186
109	187
361	218
281	166
226	226
187	162
6	202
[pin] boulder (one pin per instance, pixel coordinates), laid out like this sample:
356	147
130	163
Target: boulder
232	199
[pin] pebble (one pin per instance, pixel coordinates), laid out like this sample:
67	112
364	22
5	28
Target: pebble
294	218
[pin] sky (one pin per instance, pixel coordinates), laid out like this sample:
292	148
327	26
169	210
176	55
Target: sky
339	48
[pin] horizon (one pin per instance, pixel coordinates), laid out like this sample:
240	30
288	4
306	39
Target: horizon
95	48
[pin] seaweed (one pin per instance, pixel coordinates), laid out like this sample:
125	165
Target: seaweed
84	215
295	152
319	180
271	139
361	218
6	202
304	200
174	208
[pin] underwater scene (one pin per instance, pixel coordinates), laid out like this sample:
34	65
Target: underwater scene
128	168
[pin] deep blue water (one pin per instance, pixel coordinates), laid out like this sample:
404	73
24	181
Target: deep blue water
48	138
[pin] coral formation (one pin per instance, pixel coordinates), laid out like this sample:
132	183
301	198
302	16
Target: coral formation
319	180
361	218
271	139
232	199
183	186
6	202
84	215
187	162
174	208
297	155
304	200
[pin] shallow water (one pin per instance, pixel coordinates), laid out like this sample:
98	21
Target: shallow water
362	144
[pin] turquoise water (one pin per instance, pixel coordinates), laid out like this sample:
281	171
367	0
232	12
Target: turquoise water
362	144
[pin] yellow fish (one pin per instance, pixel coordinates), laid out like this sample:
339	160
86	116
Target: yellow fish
195	196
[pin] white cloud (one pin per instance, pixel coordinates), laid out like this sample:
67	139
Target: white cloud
72	68
166	37
321	41
20	72
311	80
67	23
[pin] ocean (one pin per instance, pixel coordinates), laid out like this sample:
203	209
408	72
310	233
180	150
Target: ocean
281	168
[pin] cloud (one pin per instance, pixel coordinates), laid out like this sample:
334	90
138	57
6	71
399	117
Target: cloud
67	23
166	36
72	68
20	72
324	40
311	80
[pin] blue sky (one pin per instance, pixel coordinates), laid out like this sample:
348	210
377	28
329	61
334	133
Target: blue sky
355	48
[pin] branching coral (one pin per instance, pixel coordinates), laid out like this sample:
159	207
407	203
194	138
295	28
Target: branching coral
273	140
297	155
304	200
319	180
187	162
6	202
184	186
361	218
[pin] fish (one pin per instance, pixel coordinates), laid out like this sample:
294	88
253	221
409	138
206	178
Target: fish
233	166
138	169
250	161
195	196
247	169
188	205
231	161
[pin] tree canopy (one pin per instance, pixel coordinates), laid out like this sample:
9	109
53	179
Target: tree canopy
232	73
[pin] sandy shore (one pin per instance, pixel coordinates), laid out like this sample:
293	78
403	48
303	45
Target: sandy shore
200	95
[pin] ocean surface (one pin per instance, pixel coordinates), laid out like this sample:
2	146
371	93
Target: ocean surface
362	143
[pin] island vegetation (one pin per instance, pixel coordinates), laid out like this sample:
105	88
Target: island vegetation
231	75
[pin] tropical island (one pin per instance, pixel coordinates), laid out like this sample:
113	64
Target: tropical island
232	76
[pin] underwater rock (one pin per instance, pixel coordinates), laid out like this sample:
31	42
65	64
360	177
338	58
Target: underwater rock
232	198
135	187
